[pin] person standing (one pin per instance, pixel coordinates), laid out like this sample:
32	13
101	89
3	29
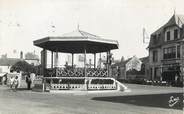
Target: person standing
32	76
16	83
28	81
11	82
3	80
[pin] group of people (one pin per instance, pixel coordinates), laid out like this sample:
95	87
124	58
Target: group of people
14	82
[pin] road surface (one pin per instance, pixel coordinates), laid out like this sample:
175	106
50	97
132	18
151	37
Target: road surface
142	99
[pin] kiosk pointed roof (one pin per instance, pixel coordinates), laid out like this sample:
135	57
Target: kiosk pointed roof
76	41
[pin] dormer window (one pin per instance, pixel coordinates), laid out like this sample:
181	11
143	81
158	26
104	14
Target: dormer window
155	38
176	34
159	35
168	35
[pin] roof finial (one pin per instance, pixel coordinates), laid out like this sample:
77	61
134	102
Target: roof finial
174	10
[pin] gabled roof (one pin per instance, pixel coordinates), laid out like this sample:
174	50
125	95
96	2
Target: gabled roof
121	63
177	20
8	61
174	20
158	30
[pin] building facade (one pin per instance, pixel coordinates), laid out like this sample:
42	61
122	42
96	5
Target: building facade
121	71
7	63
166	51
34	62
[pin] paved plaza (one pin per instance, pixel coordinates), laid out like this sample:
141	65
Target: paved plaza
142	99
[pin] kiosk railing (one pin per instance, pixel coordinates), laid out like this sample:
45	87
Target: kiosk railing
76	72
79	83
76	78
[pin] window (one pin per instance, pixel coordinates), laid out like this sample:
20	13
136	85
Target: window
169	53
175	33
165	53
173	52
155	56
151	72
159	35
178	51
154	39
168	36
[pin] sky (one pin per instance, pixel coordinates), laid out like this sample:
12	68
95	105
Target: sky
23	21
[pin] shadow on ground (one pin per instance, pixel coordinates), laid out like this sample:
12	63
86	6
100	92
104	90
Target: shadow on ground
151	100
23	89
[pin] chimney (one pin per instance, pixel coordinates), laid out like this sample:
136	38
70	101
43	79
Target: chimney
21	55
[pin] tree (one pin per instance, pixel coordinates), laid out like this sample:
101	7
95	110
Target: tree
22	66
38	69
30	55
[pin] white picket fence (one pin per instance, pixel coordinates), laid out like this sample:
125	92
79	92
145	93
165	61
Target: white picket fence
66	86
42	85
82	86
101	86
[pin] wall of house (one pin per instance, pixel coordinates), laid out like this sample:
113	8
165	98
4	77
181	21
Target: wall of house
155	66
159	50
182	55
5	69
33	62
147	72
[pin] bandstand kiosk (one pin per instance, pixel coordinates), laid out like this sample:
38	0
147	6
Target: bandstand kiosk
76	42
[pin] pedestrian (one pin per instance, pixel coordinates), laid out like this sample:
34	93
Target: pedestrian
28	81
32	76
11	82
3	80
16	82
